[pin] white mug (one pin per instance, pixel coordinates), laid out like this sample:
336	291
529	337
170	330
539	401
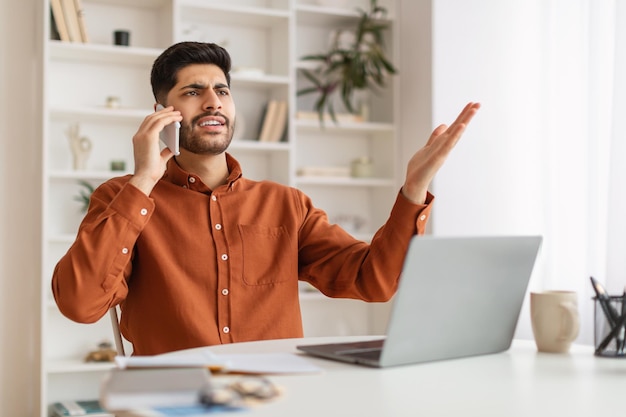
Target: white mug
555	320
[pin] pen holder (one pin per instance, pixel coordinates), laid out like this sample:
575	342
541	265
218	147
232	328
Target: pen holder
610	326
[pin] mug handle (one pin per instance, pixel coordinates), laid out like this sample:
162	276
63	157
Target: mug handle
571	322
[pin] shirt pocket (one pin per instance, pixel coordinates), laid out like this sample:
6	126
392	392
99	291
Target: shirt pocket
267	255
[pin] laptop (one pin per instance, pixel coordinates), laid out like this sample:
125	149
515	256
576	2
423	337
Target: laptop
457	297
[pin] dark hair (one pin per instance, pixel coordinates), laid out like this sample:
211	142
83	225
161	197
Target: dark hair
173	59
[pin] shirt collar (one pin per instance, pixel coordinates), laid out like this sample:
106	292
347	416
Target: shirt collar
178	176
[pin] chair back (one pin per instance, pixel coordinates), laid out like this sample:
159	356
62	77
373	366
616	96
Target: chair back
117	335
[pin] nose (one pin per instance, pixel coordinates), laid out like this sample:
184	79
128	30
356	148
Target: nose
212	101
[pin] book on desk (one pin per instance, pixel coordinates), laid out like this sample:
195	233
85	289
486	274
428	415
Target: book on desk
90	408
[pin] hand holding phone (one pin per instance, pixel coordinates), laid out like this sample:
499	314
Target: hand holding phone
170	135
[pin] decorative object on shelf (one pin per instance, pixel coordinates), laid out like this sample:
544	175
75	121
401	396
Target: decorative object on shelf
362	167
84	195
324	171
113	102
118	165
121	37
80	146
355	62
104	353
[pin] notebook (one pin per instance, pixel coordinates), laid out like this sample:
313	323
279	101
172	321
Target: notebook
457	297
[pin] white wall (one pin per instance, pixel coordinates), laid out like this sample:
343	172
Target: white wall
19	210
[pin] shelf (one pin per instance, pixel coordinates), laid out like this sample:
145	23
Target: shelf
233	15
325	16
85	175
100	113
108	54
61	366
344	181
330	16
148	4
255	145
259	81
330	126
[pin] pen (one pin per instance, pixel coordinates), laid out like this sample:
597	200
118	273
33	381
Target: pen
614	331
615	321
605	302
623	329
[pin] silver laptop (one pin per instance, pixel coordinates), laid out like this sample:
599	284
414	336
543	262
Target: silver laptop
457	297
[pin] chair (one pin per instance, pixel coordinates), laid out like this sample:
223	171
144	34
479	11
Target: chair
115	322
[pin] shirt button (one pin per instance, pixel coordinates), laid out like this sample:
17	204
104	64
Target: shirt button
124	251
218	226
192	180
226	329
184	186
213	198
423	217
224	257
225	291
144	211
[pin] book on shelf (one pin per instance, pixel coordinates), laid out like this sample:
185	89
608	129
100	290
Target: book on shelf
274	121
80	15
269	114
71	20
280	122
89	408
59	20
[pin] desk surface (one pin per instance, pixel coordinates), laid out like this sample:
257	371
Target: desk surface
518	382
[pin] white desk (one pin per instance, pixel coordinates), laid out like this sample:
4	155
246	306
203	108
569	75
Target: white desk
519	382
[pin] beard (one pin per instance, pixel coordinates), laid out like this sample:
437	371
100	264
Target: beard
206	143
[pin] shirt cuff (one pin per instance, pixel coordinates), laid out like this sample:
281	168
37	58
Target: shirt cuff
132	204
404	209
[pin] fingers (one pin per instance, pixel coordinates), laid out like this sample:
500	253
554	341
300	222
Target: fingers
439	130
455	130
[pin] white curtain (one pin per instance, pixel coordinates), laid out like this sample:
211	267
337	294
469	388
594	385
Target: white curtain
547	152
585	149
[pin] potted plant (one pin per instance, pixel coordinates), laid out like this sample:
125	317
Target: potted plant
356	61
84	194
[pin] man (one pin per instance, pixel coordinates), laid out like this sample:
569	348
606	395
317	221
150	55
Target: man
198	255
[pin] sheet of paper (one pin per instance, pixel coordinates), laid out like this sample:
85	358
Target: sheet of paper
200	358
268	363
253	363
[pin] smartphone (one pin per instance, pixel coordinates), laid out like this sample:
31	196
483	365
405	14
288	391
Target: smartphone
169	135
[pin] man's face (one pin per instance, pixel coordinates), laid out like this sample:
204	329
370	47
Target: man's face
202	96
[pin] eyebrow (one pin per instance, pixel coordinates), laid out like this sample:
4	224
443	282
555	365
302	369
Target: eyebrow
200	86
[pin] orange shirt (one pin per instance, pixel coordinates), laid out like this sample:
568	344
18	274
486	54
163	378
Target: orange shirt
196	267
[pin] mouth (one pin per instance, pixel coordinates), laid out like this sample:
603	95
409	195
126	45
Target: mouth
212	122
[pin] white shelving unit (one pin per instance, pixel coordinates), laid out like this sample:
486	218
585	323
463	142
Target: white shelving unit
266	39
